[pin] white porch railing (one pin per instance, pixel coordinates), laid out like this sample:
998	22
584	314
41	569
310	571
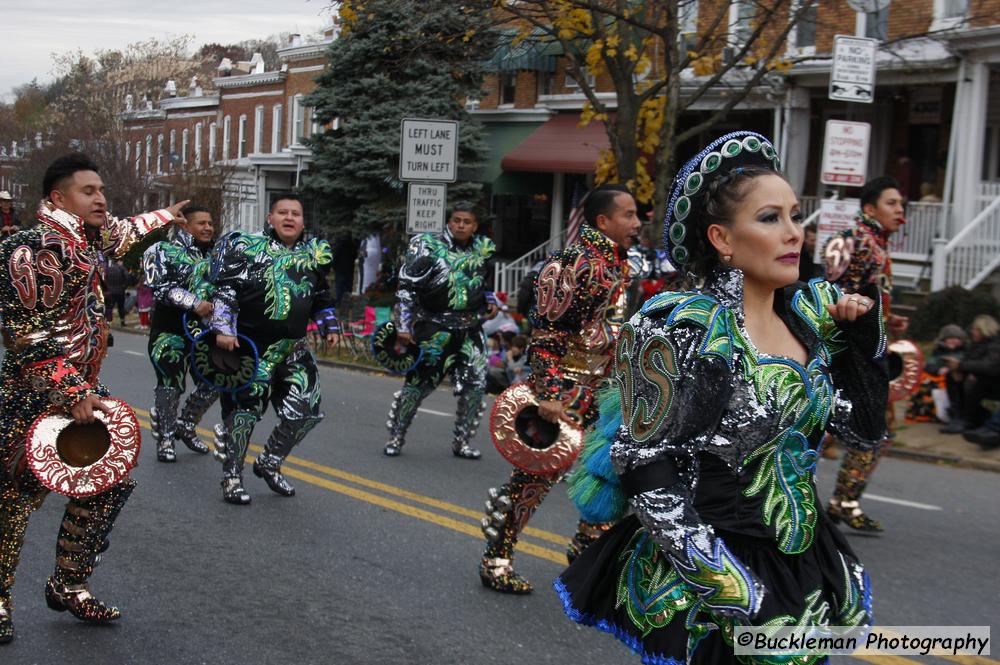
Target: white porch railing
969	257
508	275
915	239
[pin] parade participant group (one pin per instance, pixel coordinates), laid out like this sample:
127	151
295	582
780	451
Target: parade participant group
689	434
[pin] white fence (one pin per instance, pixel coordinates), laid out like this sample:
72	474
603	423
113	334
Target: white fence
508	275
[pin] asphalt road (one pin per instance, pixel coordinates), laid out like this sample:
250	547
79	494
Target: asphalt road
374	560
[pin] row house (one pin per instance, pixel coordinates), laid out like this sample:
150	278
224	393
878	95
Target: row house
932	103
251	130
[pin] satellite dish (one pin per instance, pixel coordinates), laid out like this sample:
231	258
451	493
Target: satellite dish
868	6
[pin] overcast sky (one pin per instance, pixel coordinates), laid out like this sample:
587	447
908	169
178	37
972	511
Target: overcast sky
32	30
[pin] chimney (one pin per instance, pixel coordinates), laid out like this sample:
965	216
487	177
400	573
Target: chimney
295	39
170	89
257	64
194	90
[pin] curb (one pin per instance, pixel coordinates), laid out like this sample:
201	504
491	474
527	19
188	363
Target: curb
900	450
339	364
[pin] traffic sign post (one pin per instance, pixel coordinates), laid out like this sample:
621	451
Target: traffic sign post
845	153
852	75
425	206
428	150
835	215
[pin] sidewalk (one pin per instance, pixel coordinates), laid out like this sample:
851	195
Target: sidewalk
918	441
923	441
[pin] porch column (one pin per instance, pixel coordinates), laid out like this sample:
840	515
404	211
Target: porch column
795	138
556	220
969	162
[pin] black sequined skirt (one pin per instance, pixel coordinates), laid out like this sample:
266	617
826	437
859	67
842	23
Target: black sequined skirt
623	585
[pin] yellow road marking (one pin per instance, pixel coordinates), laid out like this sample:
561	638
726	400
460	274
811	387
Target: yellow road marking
540	534
473	530
412	511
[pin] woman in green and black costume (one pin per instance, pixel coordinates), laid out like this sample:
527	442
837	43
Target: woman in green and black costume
267	288
441	305
177	270
723	395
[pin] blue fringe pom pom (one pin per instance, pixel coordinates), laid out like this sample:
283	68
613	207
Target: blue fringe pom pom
594	486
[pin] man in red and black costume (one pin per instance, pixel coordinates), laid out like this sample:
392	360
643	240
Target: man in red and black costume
56	335
855	258
579	305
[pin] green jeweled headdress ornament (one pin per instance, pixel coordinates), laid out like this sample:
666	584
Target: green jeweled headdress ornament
719	159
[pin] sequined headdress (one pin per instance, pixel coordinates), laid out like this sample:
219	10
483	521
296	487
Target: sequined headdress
719	159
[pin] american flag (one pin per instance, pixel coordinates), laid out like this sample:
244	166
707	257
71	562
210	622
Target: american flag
575	213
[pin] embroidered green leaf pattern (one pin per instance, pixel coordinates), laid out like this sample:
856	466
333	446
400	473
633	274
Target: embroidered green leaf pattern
273	355
649	588
279	287
168	347
464	267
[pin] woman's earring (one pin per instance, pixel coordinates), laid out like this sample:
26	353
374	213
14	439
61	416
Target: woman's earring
727	258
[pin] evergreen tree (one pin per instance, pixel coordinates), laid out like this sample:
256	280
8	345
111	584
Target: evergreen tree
394	59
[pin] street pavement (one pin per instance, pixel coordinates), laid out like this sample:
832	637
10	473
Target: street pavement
374	560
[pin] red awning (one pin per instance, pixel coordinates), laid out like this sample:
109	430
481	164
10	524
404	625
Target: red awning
559	146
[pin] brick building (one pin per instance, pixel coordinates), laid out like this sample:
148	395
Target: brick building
531	105
250	129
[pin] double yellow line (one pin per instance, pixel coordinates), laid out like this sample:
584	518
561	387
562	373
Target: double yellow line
307	471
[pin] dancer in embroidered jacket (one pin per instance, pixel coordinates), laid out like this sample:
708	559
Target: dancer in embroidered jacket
177	271
267	288
56	335
580	299
441	306
855	258
723	394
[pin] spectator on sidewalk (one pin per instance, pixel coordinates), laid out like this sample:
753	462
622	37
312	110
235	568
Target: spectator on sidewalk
116	280
939	389
516	360
143	302
979	373
10	222
987	436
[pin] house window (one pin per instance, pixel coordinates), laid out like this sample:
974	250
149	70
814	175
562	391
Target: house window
954	8
258	129
159	153
212	138
546	84
149	152
128	152
197	146
802	38
572	83
138	156
185	141
241	139
508	87
173	150
740	19
298	120
227	132
877	24
276	128
316	129
687	23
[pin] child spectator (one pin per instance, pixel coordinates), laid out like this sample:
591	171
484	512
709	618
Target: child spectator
143	302
938	389
517	360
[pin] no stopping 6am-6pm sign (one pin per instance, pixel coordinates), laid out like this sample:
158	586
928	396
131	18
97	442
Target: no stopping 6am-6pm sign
845	153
